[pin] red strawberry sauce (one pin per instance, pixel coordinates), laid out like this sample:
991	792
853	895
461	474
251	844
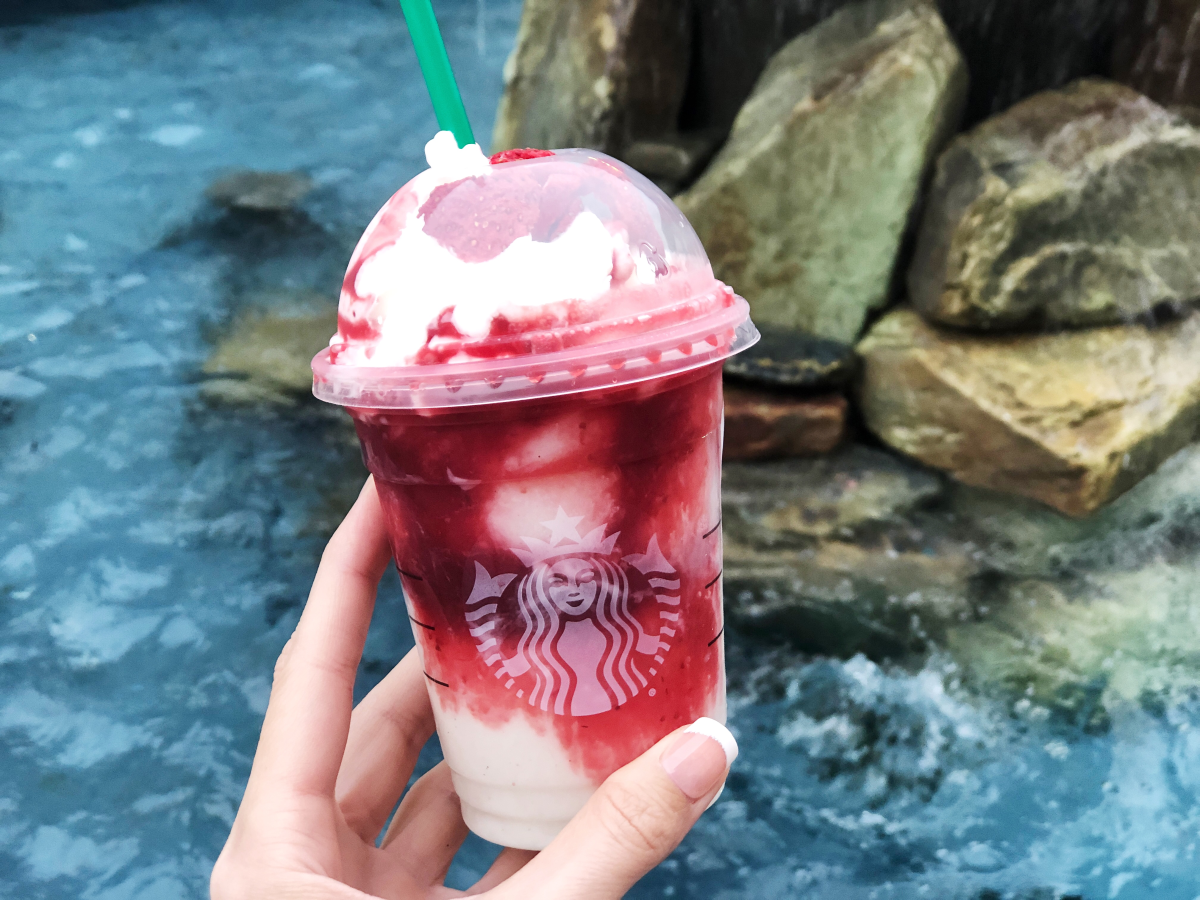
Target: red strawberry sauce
460	488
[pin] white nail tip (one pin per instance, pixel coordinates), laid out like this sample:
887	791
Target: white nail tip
719	733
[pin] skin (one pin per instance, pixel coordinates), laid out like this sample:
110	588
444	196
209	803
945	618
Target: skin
327	775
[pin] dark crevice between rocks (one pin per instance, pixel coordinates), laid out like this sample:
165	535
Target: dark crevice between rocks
1013	48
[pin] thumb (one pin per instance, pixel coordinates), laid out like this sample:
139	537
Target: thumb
635	819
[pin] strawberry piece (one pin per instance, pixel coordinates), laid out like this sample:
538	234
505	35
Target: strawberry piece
477	218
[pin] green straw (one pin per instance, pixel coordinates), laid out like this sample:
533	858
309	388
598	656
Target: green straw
435	66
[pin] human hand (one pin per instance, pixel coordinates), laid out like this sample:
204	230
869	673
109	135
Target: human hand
327	775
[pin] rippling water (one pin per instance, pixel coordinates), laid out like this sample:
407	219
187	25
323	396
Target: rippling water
156	545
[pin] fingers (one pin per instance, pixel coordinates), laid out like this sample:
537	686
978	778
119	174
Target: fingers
428	827
507	864
636	818
387	731
308	716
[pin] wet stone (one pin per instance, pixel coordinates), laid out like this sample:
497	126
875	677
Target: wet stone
831	554
673	161
1077	207
768	425
795	360
1085	618
805	206
1084	650
843	598
263	192
266	357
1072	419
794	503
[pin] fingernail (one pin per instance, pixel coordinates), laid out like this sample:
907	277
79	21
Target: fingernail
700	756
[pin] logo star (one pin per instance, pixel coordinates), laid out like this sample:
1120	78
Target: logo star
563	526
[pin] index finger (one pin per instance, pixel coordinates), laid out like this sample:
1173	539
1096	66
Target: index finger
308	716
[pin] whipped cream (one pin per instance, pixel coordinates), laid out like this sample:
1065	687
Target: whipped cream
411	283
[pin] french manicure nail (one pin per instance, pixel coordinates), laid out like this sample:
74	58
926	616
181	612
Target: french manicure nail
700	756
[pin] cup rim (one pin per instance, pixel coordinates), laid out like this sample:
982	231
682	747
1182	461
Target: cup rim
664	351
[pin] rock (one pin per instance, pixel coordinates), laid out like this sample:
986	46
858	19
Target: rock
842	598
1157	49
791	504
1071	419
672	161
595	73
827	554
1077	207
1018	538
804	208
789	359
263	192
1083	650
266	357
766	425
1084	617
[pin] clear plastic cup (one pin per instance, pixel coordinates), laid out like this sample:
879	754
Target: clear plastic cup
552	495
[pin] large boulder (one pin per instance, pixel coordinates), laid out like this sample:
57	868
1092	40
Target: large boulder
1077	207
594	73
1071	419
260	192
804	208
1082	649
266	356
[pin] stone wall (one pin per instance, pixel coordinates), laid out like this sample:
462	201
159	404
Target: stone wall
840	191
1013	48
970	231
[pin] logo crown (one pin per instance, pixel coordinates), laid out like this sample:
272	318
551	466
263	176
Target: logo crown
565	528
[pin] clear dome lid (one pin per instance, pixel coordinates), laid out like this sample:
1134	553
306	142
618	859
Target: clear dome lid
531	274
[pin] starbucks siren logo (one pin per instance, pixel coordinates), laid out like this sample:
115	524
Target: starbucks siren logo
582	647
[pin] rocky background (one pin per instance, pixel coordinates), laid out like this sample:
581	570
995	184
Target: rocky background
970	234
962	496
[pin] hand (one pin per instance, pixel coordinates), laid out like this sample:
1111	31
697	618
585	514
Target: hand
327	775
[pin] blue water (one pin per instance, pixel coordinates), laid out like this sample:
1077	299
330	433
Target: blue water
156	547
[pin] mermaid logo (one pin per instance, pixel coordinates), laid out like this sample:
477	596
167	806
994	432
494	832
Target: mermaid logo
579	639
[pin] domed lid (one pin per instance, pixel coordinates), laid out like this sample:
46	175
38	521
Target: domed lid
531	274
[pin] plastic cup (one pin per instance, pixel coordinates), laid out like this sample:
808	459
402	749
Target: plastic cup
552	496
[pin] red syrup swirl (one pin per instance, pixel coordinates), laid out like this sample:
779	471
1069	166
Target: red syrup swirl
627	480
516	154
478	218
